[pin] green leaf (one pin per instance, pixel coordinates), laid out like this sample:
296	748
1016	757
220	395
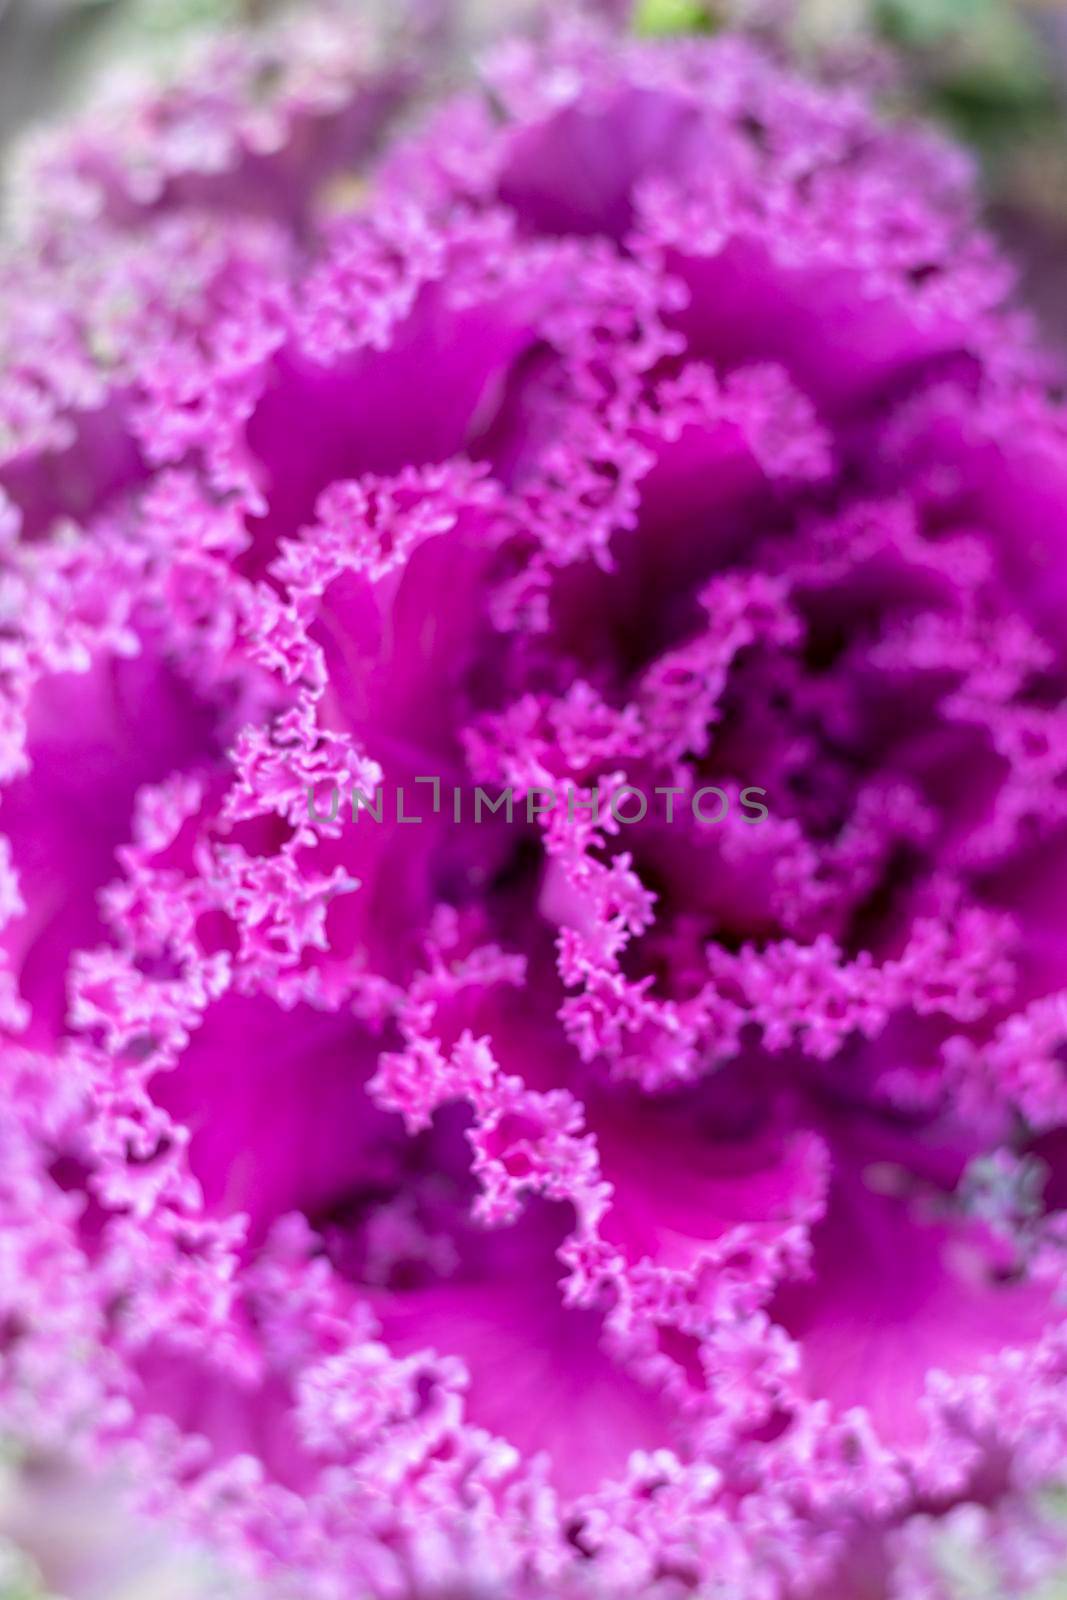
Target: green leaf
661	18
927	22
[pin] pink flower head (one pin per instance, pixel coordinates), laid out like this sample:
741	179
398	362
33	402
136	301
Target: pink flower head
567	1202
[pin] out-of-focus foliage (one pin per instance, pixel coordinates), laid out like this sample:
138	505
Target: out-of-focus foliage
654	17
49	48
995	71
996	68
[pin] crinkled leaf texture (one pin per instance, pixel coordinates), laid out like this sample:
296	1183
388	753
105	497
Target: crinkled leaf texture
550	1207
